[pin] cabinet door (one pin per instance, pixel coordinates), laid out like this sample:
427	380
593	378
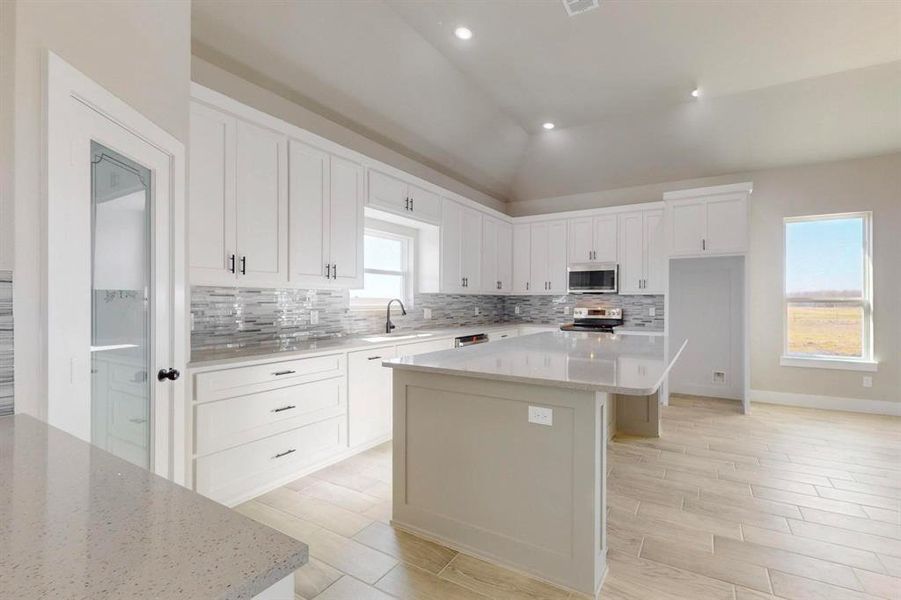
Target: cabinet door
655	254
727	224
539	254
490	278
505	256
556	262
581	243
388	193
262	205
346	222
308	203
687	227
605	239
522	258
631	252
369	400
211	218
471	249
424	205
451	234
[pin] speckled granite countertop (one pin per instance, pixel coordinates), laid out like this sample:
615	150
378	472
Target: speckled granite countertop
77	522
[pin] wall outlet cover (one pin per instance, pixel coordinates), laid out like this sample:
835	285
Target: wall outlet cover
426	313
314	317
477	311
516	309
867	381
541	415
565	310
652	311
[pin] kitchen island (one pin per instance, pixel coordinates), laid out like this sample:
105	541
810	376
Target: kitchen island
500	449
78	522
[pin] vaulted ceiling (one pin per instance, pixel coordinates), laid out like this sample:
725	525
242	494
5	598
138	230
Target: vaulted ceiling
781	82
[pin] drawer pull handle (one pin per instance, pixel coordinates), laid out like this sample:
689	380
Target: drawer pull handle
373	358
283	408
285	453
289	372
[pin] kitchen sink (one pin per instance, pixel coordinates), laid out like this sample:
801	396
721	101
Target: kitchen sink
388	338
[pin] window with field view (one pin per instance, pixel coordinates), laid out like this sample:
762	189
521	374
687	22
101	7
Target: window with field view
827	287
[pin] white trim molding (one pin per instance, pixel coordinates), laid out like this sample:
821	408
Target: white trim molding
746	187
858	405
819	362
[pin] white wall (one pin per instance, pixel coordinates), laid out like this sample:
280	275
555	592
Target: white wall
706	307
137	49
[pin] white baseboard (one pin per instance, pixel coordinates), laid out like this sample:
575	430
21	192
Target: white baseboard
860	405
711	391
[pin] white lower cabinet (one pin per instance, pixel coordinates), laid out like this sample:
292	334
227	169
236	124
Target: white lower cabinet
369	395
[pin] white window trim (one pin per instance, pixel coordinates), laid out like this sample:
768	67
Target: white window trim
407	270
867	362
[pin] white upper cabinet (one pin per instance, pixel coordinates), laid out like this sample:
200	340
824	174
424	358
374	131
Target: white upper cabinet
593	239
709	222
522	258
556	261
471	249
548	258
326	226
642	261
238	201
212	197
497	256
461	249
399	197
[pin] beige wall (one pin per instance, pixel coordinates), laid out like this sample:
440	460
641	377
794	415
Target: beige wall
137	49
290	110
842	186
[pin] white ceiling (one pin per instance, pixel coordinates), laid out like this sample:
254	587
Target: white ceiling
782	82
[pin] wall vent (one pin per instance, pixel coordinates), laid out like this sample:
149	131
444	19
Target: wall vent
719	377
577	7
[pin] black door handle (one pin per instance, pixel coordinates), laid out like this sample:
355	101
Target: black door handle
170	374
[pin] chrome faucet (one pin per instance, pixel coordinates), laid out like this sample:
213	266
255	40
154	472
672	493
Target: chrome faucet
388	324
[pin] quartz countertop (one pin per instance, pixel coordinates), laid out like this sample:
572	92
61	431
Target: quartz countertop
619	363
78	522
203	359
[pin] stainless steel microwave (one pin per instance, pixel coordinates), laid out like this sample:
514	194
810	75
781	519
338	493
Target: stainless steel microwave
593	278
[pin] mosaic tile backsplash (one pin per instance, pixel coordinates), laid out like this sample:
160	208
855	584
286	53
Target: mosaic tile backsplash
225	317
6	342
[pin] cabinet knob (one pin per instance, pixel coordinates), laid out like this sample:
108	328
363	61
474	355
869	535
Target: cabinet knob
170	374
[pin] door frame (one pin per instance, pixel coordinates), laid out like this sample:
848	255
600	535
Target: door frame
65	83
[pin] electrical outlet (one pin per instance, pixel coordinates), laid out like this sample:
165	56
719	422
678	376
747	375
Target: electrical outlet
867	381
566	310
427	313
541	415
477	311
719	377
652	311
192	321
314	317
516	310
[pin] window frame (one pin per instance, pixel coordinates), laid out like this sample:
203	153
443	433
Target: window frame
408	242
865	362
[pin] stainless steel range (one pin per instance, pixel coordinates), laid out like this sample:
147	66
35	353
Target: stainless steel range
595	319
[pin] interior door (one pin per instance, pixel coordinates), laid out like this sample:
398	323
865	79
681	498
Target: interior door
557	257
308	204
109	290
346	222
212	193
631	252
505	256
539	254
581	243
262	205
606	239
490	277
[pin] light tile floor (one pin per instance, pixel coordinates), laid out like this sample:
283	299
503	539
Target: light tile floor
785	503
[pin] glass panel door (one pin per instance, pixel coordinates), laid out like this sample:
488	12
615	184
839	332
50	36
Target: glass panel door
121	203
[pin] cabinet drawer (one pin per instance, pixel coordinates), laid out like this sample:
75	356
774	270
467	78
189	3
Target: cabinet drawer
228	383
233	421
236	474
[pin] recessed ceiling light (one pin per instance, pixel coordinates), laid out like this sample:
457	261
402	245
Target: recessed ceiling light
464	33
695	92
548	125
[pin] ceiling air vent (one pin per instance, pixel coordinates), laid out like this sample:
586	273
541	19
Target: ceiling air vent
577	7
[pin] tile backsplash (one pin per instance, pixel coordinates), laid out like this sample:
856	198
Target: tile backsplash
226	317
6	342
